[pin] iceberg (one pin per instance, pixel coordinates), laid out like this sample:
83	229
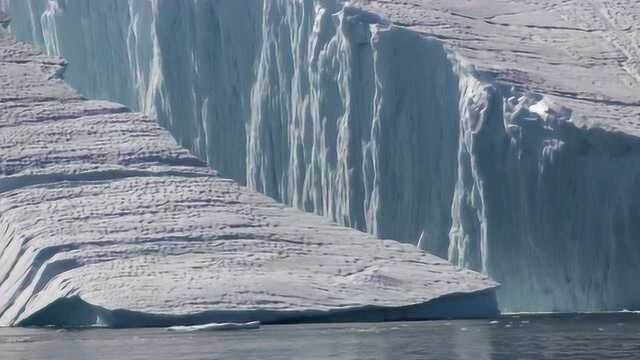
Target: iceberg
106	221
502	134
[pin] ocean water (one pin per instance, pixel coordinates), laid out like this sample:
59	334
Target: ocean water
515	337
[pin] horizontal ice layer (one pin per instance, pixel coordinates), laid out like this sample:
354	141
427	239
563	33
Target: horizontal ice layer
105	220
503	134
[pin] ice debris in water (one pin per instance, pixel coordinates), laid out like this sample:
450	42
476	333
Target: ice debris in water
217	327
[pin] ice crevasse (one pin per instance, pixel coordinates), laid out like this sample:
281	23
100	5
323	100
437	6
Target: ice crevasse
409	124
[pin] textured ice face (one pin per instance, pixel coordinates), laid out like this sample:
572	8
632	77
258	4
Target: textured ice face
503	132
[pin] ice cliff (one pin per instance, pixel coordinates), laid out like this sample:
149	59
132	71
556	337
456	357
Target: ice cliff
105	220
501	133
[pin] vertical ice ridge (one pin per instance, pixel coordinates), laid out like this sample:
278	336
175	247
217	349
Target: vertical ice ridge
338	131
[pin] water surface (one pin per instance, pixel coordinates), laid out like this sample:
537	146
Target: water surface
525	337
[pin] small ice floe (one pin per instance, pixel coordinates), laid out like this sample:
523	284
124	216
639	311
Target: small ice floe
627	311
217	327
19	340
367	330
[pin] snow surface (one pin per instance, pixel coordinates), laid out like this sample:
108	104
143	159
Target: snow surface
105	220
503	134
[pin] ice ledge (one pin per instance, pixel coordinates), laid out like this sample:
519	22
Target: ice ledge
580	54
105	220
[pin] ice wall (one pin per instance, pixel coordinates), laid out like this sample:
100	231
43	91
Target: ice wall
337	112
549	209
347	121
28	13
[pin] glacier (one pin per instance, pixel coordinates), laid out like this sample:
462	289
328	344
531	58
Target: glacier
501	133
106	221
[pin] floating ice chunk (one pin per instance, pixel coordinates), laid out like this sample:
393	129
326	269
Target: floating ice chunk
217	327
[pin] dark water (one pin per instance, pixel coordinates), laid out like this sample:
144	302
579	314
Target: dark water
569	337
